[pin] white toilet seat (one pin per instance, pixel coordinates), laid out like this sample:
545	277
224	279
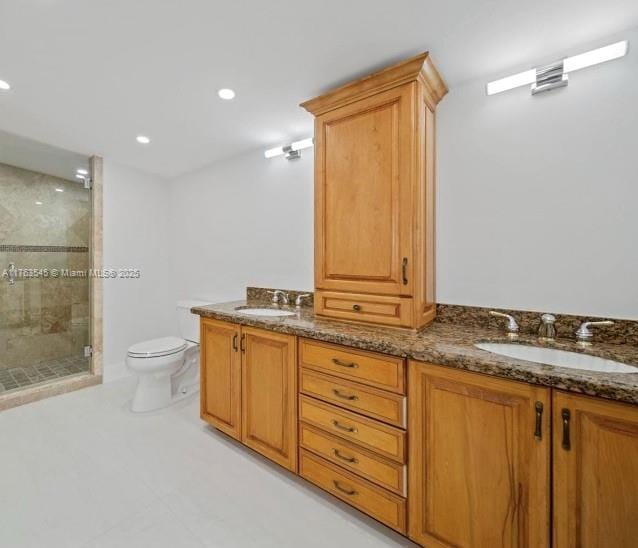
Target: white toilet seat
156	348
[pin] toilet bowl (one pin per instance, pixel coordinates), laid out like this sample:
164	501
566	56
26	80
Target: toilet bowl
167	368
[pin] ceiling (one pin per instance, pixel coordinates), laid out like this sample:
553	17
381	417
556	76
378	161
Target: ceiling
90	76
35	156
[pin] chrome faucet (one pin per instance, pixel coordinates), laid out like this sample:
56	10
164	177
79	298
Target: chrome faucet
279	297
512	326
12	273
584	335
300	298
547	329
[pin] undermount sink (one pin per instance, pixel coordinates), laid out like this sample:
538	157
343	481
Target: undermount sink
560	358
272	312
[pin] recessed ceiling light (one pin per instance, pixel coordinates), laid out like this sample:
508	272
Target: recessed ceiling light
59	190
4	85
38	203
226	94
81	171
143	139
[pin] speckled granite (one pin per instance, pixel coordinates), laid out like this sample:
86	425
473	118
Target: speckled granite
261	294
622	332
451	345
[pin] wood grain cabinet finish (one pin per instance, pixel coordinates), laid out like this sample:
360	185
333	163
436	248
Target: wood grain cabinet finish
479	460
249	387
371	368
375	468
374	194
378	503
371	402
373	435
269	395
220	376
595	473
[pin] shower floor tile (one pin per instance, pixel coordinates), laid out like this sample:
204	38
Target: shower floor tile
12	378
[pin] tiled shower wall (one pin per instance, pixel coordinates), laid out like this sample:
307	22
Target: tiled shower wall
43	319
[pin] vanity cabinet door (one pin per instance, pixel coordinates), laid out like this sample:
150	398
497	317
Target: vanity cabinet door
220	395
595	472
269	395
479	460
364	196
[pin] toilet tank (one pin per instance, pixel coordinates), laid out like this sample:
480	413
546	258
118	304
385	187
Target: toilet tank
189	323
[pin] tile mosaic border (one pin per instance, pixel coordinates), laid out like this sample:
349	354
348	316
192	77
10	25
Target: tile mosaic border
43	249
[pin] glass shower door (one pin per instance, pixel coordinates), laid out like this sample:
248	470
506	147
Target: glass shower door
44	290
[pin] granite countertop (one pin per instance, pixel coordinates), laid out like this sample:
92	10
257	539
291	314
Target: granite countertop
450	345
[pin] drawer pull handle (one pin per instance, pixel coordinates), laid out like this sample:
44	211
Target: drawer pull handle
235	342
349	492
344	364
339	455
344	428
538	432
356	307
350	397
566	444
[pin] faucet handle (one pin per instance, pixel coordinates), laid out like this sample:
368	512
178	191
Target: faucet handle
585	334
512	326
300	298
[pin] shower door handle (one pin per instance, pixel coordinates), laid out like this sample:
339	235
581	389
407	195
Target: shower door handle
12	273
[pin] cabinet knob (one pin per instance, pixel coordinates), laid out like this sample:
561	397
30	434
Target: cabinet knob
356	307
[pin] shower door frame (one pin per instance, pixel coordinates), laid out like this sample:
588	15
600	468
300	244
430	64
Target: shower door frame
94	375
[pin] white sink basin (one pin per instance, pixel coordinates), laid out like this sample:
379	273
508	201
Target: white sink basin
265	312
560	358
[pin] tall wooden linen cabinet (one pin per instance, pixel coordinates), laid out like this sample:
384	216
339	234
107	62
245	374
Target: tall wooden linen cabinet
374	196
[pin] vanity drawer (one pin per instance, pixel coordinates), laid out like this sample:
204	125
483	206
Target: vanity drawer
374	435
387	372
361	307
372	467
371	402
382	505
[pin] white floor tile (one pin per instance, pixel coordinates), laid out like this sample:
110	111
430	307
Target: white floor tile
80	470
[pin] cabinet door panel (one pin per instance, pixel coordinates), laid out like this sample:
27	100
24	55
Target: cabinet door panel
220	396
478	477
596	479
363	195
269	395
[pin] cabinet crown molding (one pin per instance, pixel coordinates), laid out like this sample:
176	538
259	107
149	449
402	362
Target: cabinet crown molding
418	68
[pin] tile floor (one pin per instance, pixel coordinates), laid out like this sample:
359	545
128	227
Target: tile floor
13	378
80	470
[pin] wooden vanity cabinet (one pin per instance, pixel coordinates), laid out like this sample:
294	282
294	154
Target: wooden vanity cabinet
220	376
479	460
595	490
249	387
269	395
374	196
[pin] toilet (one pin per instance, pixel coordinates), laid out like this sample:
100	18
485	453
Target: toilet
167	368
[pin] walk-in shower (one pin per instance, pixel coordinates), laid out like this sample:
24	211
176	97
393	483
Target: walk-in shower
45	238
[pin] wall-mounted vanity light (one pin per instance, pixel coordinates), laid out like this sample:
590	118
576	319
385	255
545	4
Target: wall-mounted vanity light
291	151
554	75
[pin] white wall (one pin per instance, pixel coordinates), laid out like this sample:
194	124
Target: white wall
536	204
537	195
135	236
246	221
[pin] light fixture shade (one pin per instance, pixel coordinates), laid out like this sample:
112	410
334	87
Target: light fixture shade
143	139
595	56
510	82
4	85
272	152
570	64
304	143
